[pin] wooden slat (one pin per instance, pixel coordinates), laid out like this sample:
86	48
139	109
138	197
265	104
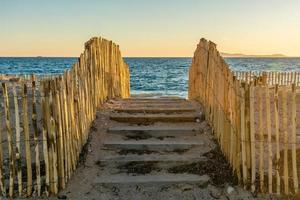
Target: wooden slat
36	137
261	140
2	178
66	126
45	110
285	143
60	141
270	154
277	137
18	146
247	132
243	138
252	138
238	129
27	140
293	139
9	140
52	140
63	127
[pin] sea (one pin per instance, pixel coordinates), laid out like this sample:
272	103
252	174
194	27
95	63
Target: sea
149	76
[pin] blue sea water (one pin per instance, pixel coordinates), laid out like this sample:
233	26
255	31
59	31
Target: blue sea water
153	76
159	76
36	65
169	76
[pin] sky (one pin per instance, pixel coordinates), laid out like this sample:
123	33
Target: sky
149	28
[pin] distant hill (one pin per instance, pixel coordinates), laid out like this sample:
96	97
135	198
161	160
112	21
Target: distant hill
237	55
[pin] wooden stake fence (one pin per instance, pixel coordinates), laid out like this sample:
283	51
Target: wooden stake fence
271	78
47	120
254	116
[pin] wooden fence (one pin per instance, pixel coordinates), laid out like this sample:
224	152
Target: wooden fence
270	78
254	118
45	122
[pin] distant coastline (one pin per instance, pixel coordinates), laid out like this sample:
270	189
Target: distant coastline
239	55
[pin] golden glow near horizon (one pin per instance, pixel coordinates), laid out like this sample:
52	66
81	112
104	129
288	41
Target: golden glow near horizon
170	28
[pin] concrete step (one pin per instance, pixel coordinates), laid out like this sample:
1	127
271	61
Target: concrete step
157	129
149	179
187	157
155	105
184	102
154	99
184	137
152	145
150	118
154	102
155	110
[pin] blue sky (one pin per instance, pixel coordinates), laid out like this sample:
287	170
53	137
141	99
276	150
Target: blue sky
149	28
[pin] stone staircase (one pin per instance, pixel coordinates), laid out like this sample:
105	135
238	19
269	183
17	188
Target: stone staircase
153	149
150	142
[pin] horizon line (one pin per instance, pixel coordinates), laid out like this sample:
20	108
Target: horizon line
245	56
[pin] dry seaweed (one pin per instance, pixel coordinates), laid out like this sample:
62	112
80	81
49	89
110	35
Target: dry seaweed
216	167
138	167
135	151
